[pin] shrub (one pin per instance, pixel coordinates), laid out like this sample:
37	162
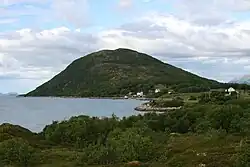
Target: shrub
192	98
243	157
132	145
244	103
16	152
98	154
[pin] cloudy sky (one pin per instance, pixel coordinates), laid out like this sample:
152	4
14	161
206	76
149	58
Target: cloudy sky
39	38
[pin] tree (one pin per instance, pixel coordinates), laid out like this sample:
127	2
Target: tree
131	144
225	117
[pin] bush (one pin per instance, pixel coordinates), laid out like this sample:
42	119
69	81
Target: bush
192	98
243	157
98	154
132	145
244	103
216	97
16	152
80	131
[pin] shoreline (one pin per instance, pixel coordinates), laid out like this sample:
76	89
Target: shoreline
75	97
147	108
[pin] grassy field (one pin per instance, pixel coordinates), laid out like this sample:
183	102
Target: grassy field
186	96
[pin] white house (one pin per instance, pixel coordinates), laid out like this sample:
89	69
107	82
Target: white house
139	94
157	90
230	90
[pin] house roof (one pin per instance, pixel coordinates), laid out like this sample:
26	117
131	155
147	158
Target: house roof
231	89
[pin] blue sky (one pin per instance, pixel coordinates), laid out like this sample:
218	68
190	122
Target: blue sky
38	38
99	13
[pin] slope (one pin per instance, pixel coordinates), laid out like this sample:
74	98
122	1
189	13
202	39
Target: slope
113	73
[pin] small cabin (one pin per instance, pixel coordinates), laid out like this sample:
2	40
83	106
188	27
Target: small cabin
231	90
139	94
157	90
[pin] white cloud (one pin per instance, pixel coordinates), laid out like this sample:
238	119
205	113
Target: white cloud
212	6
36	54
202	37
11	2
72	11
8	21
31	54
168	34
125	3
221	47
211	12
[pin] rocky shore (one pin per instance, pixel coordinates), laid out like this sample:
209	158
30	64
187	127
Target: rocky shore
147	108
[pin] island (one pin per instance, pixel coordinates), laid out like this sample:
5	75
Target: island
120	73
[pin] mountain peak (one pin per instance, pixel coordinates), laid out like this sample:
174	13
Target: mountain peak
115	73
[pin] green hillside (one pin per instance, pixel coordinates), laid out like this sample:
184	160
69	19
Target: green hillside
113	73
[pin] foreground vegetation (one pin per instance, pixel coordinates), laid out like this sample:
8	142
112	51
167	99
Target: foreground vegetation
211	134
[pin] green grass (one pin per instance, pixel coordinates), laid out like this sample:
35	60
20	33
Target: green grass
186	96
193	150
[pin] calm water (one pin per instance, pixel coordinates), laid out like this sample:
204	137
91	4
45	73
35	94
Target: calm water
35	113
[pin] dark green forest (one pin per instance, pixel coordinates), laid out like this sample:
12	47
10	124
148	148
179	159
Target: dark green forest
211	134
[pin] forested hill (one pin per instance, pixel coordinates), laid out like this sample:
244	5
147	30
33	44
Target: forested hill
117	72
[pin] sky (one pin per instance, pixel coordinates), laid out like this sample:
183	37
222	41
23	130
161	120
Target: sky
39	38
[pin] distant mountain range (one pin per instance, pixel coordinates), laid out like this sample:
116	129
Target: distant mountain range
242	80
12	94
9	94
